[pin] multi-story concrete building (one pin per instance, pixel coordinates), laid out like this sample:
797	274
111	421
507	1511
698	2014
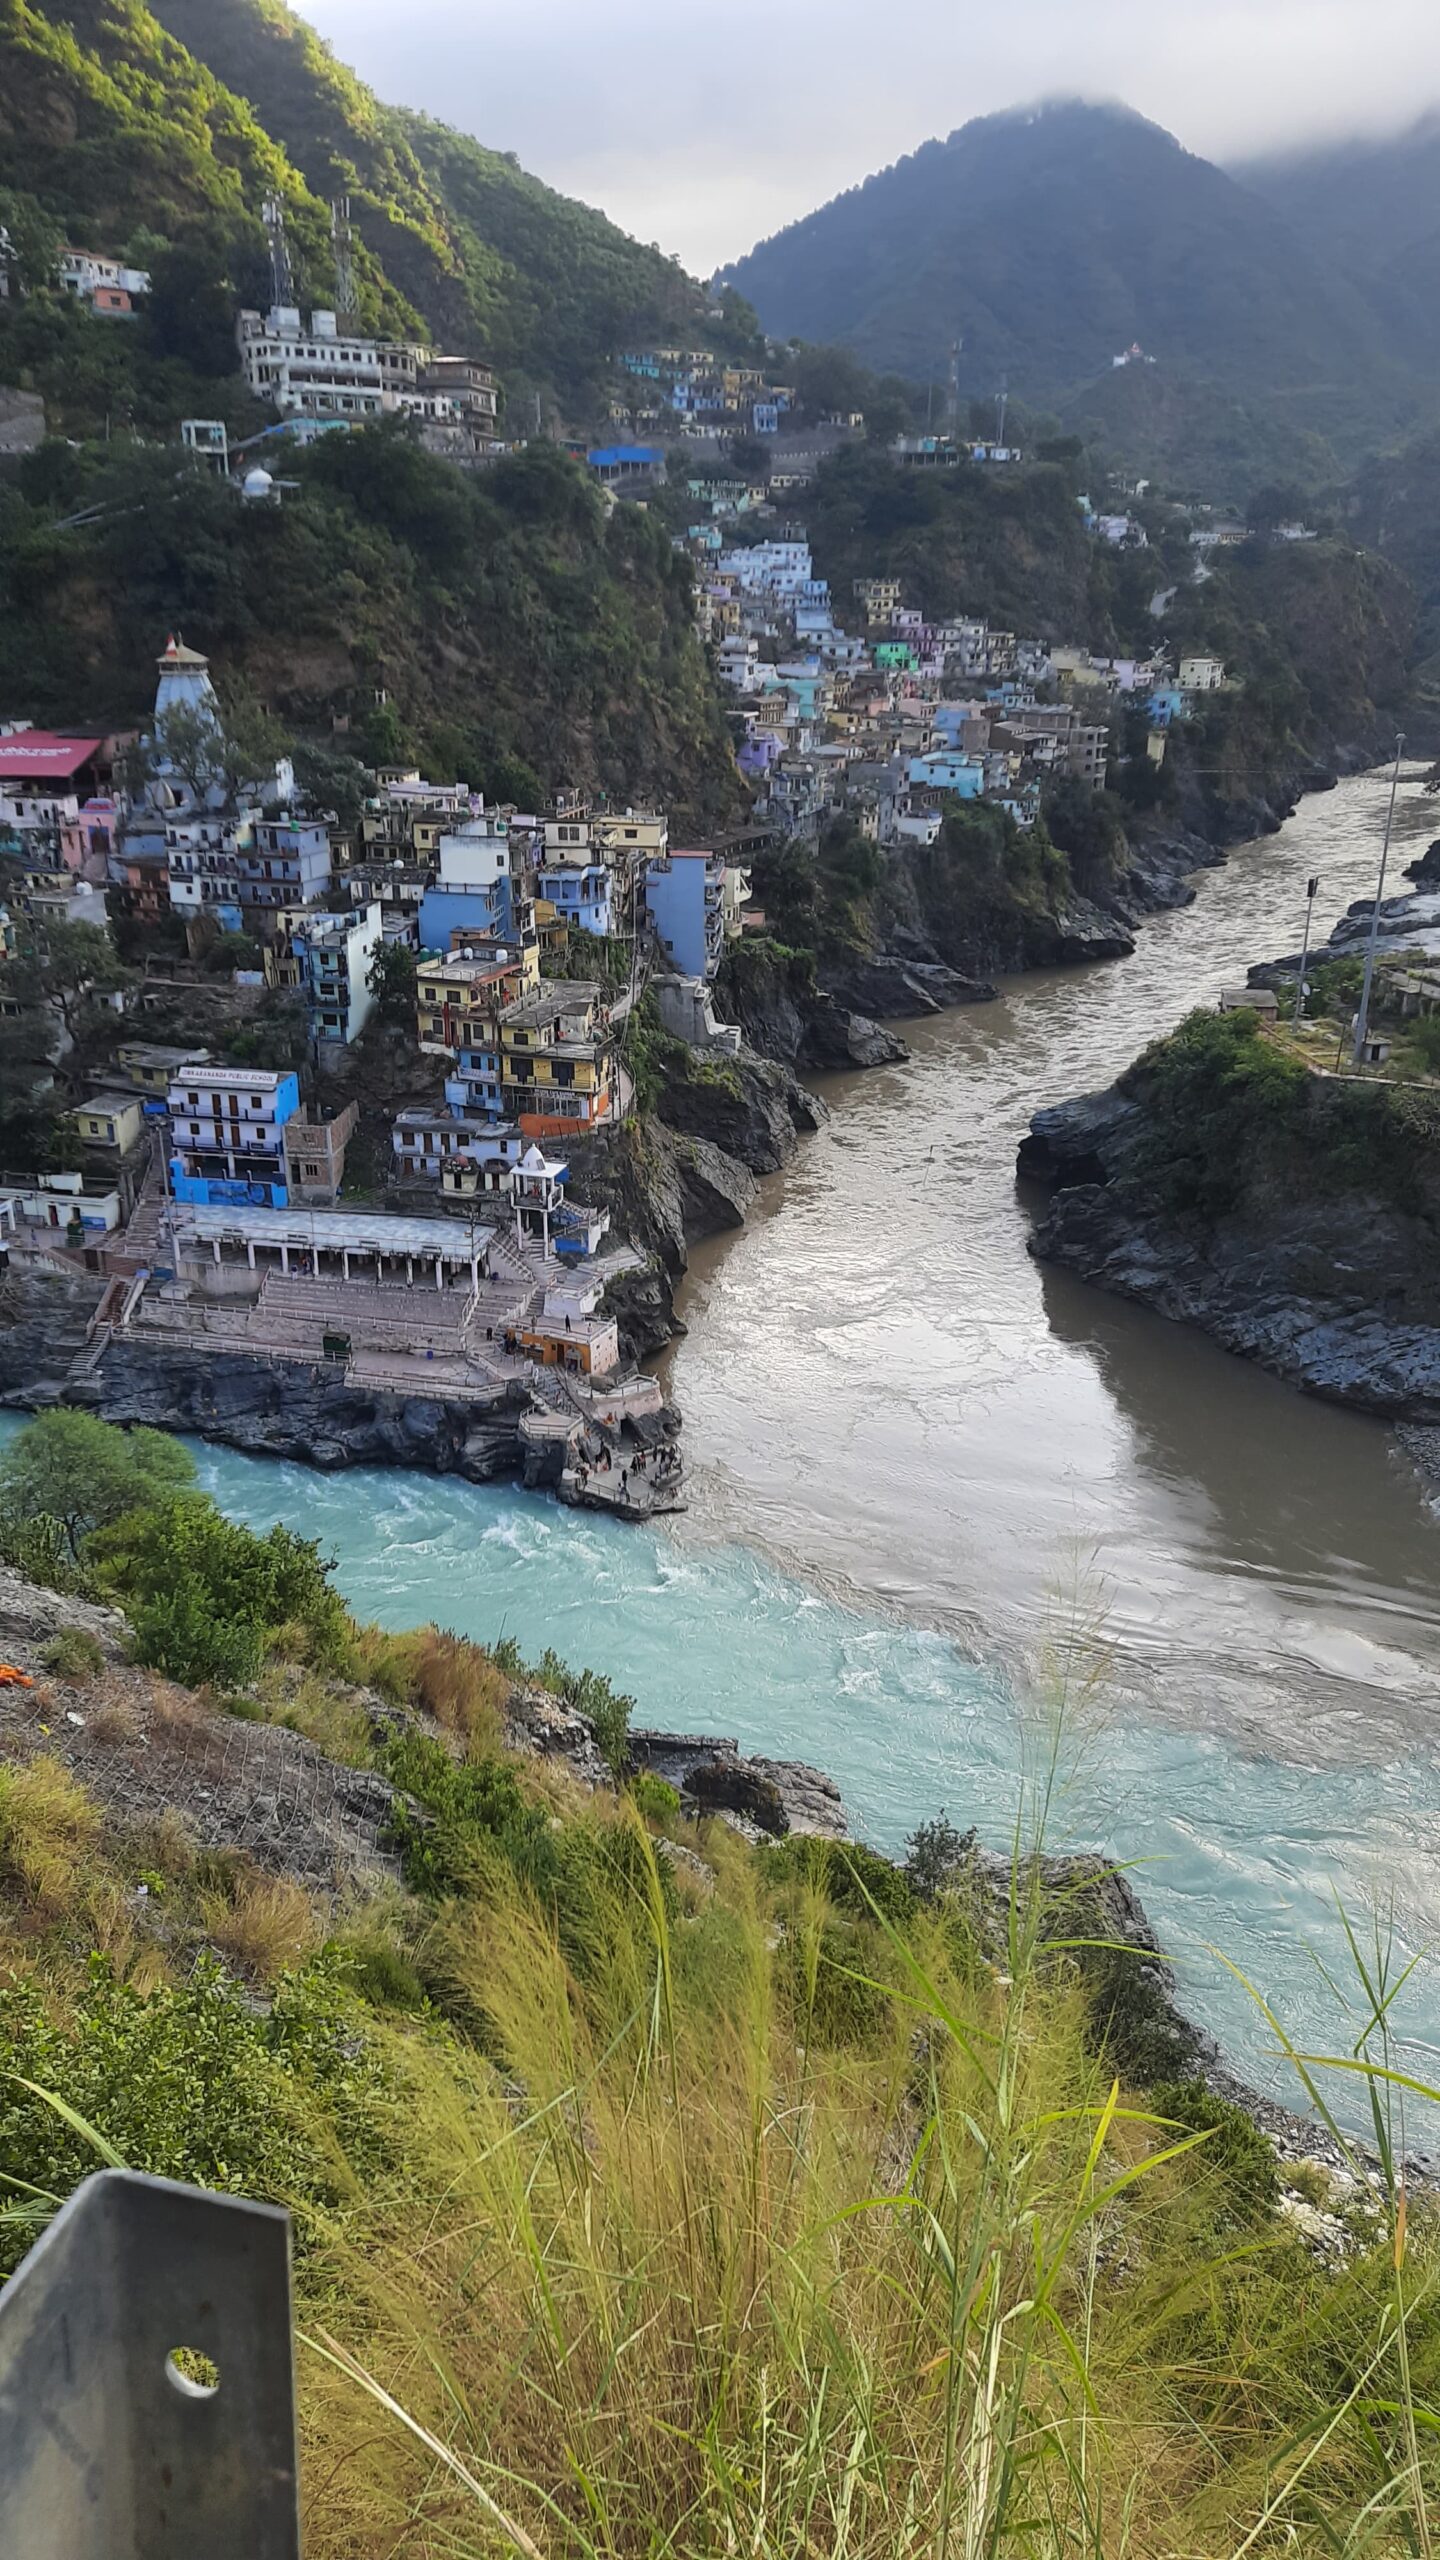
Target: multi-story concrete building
315	1155
227	1129
557	1060
472	890
685	901
333	954
458	1001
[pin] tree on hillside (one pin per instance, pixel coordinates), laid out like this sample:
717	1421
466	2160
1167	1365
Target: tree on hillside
828	380
70	1467
190	309
329	779
392	983
35	241
64	965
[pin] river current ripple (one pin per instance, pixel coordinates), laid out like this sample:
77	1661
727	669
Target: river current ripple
917	1460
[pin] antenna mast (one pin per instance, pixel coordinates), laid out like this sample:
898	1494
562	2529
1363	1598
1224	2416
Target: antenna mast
282	279
956	346
1002	403
347	299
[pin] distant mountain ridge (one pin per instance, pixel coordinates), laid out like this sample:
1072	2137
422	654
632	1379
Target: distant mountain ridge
1052	239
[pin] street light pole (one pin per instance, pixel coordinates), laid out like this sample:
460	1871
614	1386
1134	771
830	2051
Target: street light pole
1362	1019
1311	889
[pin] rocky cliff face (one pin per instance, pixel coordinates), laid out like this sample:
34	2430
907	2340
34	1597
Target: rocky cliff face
1315	1261
687	1171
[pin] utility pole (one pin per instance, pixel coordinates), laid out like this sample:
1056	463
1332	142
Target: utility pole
1311	889
1362	1018
1002	403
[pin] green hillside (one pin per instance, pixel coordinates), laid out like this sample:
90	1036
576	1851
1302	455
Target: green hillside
132	125
1048	241
493	259
523	638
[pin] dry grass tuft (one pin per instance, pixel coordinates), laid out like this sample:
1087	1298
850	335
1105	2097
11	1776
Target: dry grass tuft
445	1676
115	1721
263	1922
49	1830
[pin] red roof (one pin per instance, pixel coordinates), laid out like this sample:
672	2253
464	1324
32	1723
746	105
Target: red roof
37	755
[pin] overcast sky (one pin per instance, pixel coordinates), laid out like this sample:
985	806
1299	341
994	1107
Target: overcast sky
706	130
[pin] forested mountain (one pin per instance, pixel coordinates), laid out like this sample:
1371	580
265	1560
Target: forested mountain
522	636
121	121
1050	241
1372	208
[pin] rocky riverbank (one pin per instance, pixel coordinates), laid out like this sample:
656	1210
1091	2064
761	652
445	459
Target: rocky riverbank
1293	1217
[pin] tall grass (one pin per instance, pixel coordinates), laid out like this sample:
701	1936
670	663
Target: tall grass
780	2209
778	2229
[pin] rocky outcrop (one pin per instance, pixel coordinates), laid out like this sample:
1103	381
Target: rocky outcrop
1326	1278
750	1108
833	1022
291	1410
771	1797
30	1616
688	1171
44	1315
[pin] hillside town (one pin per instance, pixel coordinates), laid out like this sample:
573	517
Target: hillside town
220	1156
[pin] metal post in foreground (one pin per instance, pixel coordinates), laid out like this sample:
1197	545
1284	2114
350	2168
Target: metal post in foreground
1311	890
112	2446
1362	1018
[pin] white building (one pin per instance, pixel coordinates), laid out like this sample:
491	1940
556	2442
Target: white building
326	371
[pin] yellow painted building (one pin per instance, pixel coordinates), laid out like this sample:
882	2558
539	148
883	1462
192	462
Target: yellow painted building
114	1121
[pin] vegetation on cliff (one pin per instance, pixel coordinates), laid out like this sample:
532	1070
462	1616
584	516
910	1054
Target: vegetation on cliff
685	2191
1230	1117
522	637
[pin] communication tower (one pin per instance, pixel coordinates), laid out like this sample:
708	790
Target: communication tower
347	299
282	277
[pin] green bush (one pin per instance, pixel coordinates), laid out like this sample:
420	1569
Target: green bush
205	1593
180	1633
1237	2151
654	1797
74	1654
39	1547
189	2083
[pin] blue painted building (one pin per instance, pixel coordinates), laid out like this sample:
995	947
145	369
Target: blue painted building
684	896
227	1137
579	893
948	770
614	462
474	890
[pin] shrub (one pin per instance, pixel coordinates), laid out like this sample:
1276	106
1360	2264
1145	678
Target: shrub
191	2083
934	1852
606	1708
74	1654
181	1634
654	1797
205	1593
1237	2152
39	1548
